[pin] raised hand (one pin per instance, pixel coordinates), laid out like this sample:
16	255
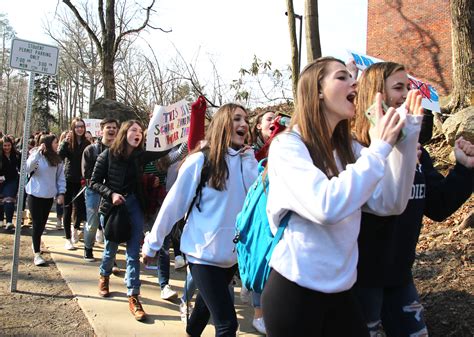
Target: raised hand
386	126
413	102
464	152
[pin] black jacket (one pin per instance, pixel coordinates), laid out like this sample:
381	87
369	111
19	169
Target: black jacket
89	157
72	160
387	245
107	179
10	166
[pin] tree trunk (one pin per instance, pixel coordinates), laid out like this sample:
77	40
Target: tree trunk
313	43
462	46
294	47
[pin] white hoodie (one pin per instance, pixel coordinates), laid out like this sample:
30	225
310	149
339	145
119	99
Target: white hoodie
207	236
319	250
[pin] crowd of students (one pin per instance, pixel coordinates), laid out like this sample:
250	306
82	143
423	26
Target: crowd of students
349	168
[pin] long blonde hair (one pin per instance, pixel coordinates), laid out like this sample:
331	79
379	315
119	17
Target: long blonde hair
312	122
370	83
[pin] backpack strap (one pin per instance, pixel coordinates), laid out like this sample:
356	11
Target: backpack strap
280	230
204	177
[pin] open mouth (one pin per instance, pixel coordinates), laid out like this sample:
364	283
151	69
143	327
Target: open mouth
240	133
351	97
137	140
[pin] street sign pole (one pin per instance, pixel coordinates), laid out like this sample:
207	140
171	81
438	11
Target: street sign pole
35	58
21	188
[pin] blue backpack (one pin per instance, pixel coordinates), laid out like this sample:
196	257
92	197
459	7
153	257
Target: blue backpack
254	239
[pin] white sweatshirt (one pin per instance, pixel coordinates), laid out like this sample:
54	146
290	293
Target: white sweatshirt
207	236
47	181
319	246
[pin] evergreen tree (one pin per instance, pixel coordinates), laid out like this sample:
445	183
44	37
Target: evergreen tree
45	93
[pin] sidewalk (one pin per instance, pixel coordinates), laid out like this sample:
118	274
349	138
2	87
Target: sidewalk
110	316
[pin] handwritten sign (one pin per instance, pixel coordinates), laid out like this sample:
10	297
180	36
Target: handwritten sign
429	94
35	57
93	126
168	127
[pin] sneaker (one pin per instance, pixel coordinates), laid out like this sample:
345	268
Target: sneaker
179	262
244	295
185	310
9	225
167	293
99	236
136	308
74	236
259	325
59	223
88	255
38	260
69	245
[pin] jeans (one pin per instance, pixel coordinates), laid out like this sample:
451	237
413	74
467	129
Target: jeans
256	302
92	209
395	310
164	262
8	191
213	300
189	288
133	248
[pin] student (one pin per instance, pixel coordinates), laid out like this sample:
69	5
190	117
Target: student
387	245
9	179
109	127
71	150
117	178
208	233
46	183
324	178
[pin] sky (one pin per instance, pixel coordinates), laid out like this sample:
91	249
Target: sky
228	32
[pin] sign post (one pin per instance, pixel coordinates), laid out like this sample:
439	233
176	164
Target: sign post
35	58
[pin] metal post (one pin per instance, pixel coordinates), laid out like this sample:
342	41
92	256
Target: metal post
300	17
21	187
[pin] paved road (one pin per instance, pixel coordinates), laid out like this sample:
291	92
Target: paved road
110	316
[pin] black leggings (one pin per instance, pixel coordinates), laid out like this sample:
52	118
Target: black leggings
39	209
72	189
292	310
213	299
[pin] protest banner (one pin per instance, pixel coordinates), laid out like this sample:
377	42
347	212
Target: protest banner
430	95
169	126
93	126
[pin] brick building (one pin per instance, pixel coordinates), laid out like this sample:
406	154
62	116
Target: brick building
416	34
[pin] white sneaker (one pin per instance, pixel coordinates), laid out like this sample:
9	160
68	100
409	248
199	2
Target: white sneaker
59	223
244	295
259	325
74	235
179	262
185	309
99	236
167	293
69	245
38	260
9	225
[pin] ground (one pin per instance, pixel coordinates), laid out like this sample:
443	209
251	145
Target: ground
443	273
44	305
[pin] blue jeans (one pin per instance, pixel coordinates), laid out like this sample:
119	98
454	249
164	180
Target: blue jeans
189	288
8	191
133	248
92	211
164	262
396	310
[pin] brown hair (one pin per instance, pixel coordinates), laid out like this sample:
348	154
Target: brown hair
370	83
312	122
256	133
51	156
219	139
119	146
75	139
